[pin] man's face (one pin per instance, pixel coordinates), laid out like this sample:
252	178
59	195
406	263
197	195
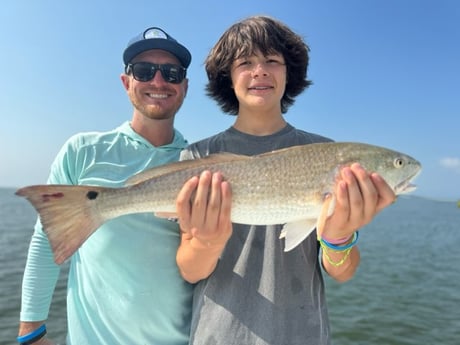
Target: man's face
155	99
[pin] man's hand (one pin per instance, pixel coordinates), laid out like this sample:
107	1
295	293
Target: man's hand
44	341
28	327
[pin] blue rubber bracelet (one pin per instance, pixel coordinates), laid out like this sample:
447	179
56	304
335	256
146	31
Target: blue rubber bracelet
32	336
342	248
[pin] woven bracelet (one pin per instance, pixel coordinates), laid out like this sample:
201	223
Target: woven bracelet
337	263
341	248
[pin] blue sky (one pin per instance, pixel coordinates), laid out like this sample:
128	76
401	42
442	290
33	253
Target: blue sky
385	72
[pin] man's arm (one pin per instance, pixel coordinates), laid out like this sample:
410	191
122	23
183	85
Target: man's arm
29	327
41	272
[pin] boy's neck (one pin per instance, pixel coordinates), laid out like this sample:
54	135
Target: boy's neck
259	125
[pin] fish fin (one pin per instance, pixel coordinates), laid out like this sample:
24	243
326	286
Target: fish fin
166	214
205	163
66	213
295	232
326	210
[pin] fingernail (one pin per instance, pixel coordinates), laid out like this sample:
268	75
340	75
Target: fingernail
347	172
216	176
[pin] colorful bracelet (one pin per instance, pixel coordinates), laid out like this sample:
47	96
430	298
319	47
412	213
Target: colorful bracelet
337	241
340	248
336	263
33	336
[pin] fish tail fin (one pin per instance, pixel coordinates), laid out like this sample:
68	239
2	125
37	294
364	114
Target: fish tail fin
67	213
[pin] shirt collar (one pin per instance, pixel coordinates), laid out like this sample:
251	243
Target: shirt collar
178	140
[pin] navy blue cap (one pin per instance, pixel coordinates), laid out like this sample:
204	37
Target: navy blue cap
156	38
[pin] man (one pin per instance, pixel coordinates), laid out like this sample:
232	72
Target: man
124	286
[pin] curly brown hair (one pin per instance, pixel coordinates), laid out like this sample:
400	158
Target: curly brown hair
243	39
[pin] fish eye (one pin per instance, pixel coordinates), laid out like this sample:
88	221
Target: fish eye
398	162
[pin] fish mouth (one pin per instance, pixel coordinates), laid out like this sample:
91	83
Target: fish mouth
406	186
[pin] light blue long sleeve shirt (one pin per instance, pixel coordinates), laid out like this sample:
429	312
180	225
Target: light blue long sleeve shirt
124	286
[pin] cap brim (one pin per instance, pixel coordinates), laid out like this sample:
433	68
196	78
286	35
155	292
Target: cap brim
178	50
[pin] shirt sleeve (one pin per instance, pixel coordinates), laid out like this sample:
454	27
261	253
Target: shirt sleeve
190	152
41	273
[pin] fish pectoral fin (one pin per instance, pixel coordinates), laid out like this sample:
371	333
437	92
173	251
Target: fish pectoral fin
166	214
295	232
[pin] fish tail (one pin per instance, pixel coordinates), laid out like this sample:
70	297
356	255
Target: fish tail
67	213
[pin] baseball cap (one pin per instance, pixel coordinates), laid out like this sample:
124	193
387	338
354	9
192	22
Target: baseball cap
156	38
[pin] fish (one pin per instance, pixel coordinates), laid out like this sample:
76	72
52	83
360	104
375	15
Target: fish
293	187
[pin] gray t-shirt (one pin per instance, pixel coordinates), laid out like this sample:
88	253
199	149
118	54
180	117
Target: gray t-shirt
259	294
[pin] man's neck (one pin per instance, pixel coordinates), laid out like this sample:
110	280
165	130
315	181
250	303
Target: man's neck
157	132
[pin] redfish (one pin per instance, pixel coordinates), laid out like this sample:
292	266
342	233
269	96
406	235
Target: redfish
287	186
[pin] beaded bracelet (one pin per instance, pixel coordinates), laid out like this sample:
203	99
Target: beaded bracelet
33	336
340	248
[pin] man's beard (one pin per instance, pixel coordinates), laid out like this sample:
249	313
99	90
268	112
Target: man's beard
155	112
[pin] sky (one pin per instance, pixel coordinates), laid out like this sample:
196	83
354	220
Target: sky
384	72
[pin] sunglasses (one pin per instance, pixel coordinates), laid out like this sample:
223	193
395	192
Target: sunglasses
145	71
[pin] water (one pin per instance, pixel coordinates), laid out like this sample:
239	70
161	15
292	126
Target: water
406	290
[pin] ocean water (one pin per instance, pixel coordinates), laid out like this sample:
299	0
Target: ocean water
405	292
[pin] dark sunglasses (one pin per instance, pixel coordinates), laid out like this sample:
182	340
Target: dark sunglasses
145	71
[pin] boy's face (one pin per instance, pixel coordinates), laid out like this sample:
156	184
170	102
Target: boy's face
259	81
